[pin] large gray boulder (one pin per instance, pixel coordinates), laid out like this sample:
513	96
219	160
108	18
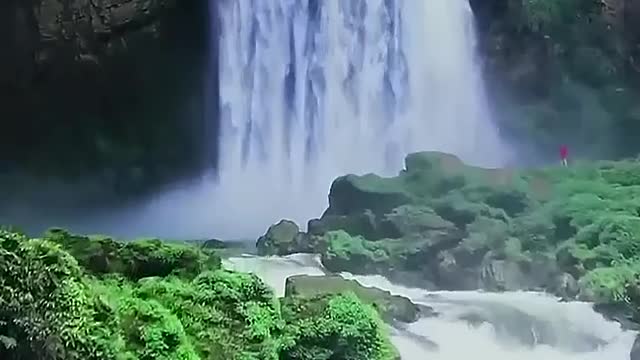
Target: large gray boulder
391	307
285	238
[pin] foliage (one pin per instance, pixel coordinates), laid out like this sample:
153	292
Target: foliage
612	283
583	220
334	327
45	308
564	72
152	300
136	259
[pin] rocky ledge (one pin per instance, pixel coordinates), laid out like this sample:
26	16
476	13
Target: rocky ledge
392	308
441	224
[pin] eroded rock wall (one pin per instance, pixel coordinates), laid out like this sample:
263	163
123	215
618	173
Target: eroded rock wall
111	89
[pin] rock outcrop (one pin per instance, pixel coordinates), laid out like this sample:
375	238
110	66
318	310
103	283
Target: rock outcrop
285	238
84	29
104	89
391	307
441	224
48	32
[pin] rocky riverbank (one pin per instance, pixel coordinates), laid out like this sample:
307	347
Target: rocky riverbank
441	224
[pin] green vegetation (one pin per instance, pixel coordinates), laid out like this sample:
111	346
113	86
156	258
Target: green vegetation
335	327
565	71
462	227
66	296
391	307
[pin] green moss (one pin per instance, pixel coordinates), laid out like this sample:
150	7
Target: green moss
344	246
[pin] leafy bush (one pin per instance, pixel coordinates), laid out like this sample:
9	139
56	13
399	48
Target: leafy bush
150	300
45	308
136	259
334	327
153	332
611	284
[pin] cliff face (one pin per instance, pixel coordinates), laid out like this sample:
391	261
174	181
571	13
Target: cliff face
85	27
102	87
564	72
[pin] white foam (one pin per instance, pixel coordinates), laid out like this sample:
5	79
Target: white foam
570	324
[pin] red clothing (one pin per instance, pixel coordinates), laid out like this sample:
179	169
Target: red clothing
564	151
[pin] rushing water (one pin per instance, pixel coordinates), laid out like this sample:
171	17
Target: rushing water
519	325
313	89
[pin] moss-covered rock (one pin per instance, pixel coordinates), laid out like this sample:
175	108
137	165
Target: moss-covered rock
408	220
283	238
391	307
573	231
353	194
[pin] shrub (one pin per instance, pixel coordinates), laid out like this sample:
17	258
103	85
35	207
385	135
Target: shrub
334	327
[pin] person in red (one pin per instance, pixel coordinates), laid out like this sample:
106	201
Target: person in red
564	153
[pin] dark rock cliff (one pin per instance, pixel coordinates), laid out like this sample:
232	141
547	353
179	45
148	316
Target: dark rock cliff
104	88
564	72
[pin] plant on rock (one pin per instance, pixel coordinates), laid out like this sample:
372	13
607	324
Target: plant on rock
334	327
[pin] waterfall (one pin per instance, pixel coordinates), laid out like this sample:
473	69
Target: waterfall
314	89
516	325
309	90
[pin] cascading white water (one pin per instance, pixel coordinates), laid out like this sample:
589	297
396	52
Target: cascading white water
314	89
523	326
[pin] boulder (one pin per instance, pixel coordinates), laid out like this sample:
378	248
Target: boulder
502	275
391	307
214	244
355	254
408	261
565	286
452	276
404	220
353	194
284	238
433	174
357	224
635	349
410	219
